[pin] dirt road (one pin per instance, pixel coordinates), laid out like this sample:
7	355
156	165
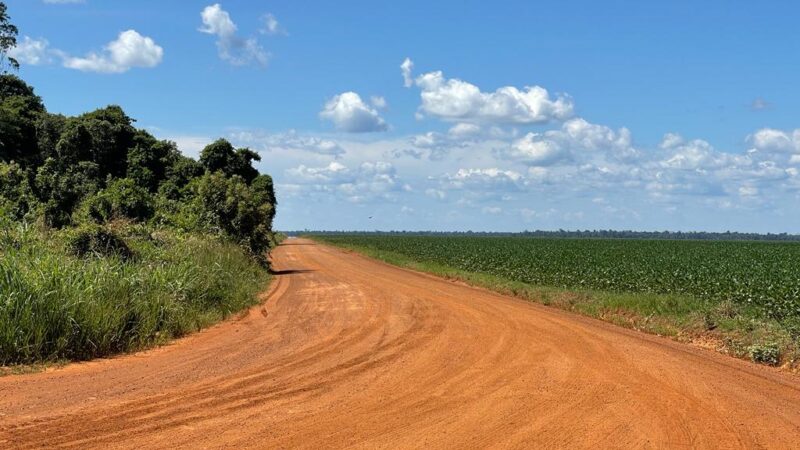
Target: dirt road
348	352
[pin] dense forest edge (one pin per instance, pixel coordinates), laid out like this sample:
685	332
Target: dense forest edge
738	298
112	240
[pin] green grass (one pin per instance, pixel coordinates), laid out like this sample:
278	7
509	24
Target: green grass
55	305
740	328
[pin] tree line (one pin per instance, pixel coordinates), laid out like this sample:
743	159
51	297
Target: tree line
98	167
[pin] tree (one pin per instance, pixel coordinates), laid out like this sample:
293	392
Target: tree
122	199
8	40
228	205
20	108
221	156
60	188
149	160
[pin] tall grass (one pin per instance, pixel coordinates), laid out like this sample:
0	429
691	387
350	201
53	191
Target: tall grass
55	305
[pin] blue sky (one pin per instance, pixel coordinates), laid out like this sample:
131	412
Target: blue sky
514	115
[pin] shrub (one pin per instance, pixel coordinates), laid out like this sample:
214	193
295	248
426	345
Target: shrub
98	241
122	199
765	354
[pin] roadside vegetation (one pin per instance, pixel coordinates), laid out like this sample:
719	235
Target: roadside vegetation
742	298
112	240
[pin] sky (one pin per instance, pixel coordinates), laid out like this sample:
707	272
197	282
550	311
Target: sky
456	115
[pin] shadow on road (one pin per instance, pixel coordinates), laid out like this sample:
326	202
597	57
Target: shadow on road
289	271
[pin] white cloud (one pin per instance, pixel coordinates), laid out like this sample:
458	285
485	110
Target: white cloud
698	154
34	52
349	113
494	210
457	100
378	102
772	140
405	68
483	181
334	172
462	130
370	180
230	47
290	142
129	50
537	150
576	140
271	25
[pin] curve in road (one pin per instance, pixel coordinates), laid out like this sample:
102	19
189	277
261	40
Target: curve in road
349	352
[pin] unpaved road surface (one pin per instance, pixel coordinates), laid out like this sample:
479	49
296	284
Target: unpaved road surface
348	352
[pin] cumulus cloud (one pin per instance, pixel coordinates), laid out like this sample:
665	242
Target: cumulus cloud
457	100
696	154
405	68
33	52
129	50
334	172
230	47
537	150
349	113
577	138
491	178
772	140
369	180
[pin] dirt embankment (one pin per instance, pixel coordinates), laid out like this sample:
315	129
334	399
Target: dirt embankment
348	352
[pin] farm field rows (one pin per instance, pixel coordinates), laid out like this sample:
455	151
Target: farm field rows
745	294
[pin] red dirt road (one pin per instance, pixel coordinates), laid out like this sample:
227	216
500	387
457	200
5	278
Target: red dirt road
349	352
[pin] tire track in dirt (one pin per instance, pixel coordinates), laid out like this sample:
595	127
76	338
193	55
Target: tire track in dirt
350	352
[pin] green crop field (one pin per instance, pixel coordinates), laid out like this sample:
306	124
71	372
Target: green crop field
749	290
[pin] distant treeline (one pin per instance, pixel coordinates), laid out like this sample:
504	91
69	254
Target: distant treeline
598	234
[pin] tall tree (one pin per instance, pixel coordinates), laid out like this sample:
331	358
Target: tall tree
8	40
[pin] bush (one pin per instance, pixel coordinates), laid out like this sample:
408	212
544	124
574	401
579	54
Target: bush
97	241
765	354
122	199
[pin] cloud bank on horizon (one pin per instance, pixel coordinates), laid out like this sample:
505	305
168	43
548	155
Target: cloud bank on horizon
503	157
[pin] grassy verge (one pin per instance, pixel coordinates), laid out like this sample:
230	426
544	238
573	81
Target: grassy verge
66	296
725	327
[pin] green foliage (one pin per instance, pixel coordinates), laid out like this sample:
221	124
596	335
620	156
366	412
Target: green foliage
16	197
60	188
121	199
232	207
59	306
79	292
769	354
97	167
93	240
149	161
19	110
221	156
